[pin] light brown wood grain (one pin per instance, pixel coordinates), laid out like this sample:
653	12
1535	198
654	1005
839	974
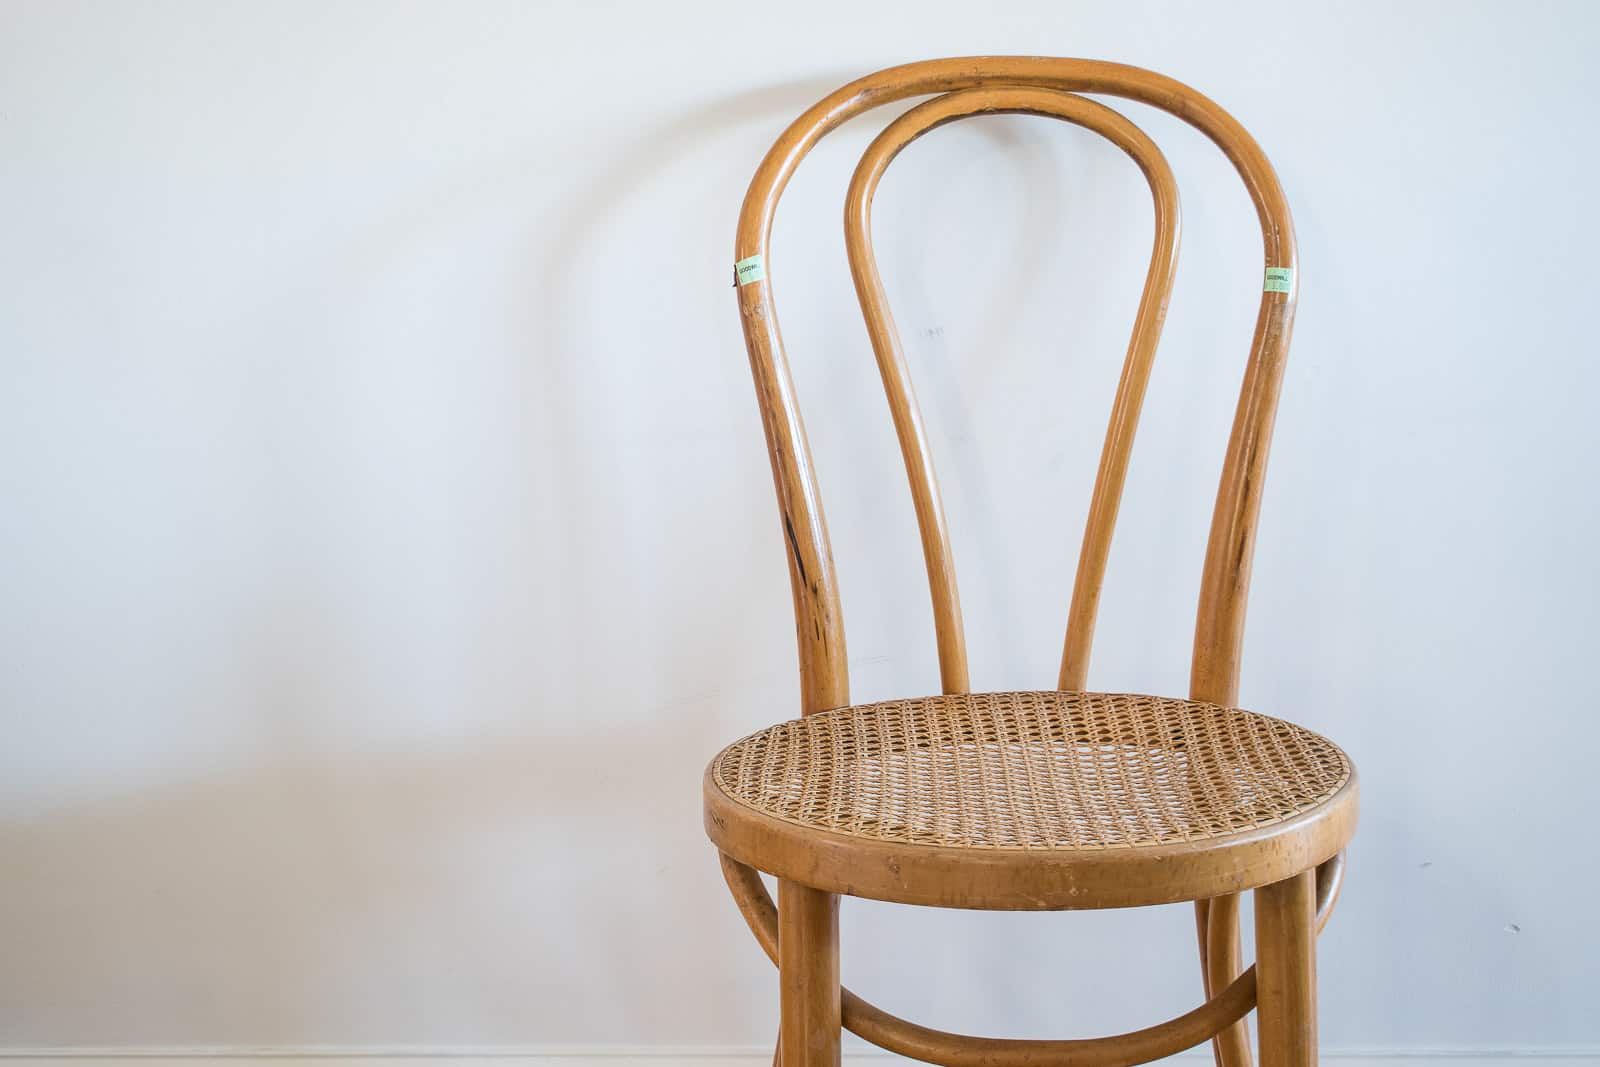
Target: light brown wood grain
808	976
1029	879
896	375
960	1050
1295	867
1225	576
1223	961
1286	971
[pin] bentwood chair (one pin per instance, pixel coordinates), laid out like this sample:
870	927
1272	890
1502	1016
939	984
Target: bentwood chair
1057	799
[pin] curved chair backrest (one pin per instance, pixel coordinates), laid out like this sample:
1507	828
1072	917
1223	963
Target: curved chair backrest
1039	86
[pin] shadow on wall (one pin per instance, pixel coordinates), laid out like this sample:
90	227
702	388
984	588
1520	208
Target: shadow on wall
314	899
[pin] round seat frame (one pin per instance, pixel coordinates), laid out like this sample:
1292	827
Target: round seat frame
1032	801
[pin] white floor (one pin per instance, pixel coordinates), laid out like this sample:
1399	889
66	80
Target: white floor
594	1056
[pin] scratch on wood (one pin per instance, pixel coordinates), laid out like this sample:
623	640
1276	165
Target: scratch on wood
794	546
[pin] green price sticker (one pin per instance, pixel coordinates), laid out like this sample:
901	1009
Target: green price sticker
1278	280
752	269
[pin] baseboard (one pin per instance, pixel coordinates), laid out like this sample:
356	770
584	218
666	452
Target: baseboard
670	1056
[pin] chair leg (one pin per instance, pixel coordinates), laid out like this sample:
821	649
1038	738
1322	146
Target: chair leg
1223	960
1286	971
1202	915
808	976
1202	923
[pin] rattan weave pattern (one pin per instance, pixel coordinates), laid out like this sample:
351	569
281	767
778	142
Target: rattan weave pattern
1033	770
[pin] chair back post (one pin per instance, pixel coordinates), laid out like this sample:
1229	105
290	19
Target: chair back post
1225	579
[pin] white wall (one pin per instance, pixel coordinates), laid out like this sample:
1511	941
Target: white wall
388	542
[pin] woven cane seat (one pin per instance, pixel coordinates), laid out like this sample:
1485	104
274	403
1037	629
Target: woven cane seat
886	800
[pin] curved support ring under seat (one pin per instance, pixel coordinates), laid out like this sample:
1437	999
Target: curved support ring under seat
898	1035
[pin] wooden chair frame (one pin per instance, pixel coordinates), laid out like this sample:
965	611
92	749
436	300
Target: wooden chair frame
800	934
